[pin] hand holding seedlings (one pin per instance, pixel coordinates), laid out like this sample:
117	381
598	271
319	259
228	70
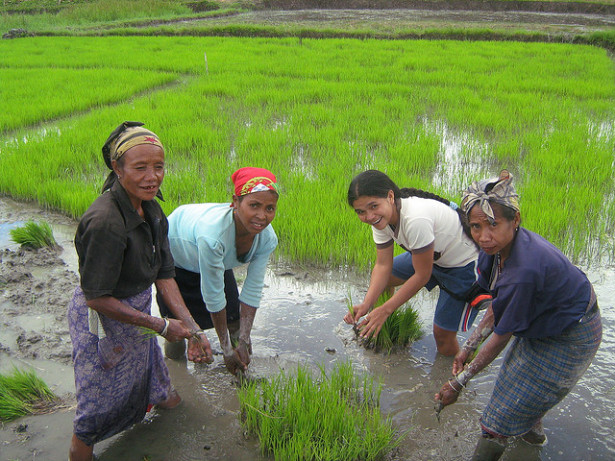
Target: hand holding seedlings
175	330
238	359
355	313
199	349
447	395
372	323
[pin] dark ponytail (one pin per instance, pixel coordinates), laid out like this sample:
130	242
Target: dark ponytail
374	183
412	192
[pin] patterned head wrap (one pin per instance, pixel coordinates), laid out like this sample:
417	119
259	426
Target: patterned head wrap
497	190
126	136
250	179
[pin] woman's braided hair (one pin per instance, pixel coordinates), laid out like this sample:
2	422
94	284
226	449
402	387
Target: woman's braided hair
374	183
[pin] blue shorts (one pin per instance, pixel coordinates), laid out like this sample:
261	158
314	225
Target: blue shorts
452	312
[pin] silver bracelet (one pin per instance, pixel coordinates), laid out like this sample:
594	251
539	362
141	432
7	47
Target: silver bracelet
453	387
166	327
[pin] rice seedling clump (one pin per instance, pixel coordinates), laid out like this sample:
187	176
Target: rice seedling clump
335	417
23	393
400	328
34	235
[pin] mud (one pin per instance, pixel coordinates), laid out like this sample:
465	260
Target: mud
299	323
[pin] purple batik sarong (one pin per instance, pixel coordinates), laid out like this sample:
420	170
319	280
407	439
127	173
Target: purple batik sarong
537	374
116	377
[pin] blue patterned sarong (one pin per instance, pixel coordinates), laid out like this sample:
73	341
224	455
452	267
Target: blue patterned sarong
117	376
537	374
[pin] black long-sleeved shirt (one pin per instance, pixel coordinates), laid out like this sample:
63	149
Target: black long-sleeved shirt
120	253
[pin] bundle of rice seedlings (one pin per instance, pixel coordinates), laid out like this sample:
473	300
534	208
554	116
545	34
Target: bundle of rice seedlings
34	235
335	417
400	328
22	393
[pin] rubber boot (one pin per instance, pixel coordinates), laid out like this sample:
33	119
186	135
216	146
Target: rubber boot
536	435
175	350
488	449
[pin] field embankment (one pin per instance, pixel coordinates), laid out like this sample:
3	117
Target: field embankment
475	5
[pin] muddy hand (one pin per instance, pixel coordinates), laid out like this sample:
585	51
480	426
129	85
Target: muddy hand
176	331
462	357
372	323
356	312
199	349
244	350
447	395
234	363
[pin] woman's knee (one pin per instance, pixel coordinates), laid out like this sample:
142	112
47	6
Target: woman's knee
446	341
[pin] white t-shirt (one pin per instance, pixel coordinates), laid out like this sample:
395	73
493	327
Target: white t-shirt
425	221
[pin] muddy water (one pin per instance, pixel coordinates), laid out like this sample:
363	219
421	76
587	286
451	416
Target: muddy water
301	323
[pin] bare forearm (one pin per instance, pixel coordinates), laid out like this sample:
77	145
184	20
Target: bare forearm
219	321
114	309
247	314
405	292
481	332
378	282
487	354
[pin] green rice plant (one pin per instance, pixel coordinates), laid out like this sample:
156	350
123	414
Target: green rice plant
22	393
61	92
11	407
147	333
316	113
296	417
400	328
34	235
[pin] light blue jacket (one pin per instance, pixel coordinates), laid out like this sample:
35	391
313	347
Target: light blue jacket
202	239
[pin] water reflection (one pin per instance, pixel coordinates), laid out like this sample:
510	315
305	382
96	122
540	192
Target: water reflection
37	135
460	157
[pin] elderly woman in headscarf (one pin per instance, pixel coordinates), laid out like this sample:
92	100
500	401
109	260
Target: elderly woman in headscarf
207	241
541	299
123	249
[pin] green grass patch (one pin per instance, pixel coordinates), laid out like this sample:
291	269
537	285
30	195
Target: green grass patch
22	393
34	235
77	16
337	416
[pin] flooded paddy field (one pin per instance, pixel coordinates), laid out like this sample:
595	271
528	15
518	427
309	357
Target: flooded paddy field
300	322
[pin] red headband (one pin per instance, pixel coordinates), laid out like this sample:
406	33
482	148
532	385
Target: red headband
250	179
